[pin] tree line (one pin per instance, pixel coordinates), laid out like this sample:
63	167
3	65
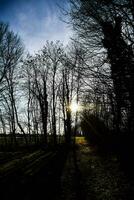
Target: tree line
36	91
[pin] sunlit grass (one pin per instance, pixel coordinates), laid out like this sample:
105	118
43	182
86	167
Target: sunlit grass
80	140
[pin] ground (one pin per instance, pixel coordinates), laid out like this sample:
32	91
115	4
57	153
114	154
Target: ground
92	176
81	173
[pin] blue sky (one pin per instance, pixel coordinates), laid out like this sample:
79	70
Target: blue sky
35	21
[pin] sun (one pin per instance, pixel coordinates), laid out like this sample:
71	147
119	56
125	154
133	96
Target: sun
74	107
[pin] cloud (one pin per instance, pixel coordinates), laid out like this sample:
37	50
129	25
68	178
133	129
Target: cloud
35	26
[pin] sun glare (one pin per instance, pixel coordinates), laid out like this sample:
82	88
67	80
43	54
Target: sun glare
74	107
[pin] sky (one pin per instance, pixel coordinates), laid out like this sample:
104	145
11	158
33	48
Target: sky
35	21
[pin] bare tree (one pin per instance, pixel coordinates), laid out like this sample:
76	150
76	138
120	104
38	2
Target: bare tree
36	85
11	50
54	52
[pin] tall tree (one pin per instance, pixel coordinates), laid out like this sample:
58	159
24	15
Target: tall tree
54	52
11	50
109	24
36	85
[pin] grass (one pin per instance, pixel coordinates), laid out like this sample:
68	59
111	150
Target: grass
80	140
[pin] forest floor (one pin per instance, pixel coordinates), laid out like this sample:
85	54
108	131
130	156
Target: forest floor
81	173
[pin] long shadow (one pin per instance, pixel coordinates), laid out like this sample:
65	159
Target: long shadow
80	194
43	185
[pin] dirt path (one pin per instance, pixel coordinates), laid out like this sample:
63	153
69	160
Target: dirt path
89	176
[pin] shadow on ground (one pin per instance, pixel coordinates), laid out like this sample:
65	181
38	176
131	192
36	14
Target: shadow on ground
76	173
41	181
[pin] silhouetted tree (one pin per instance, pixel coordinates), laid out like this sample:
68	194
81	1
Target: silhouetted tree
109	24
36	85
53	52
11	50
